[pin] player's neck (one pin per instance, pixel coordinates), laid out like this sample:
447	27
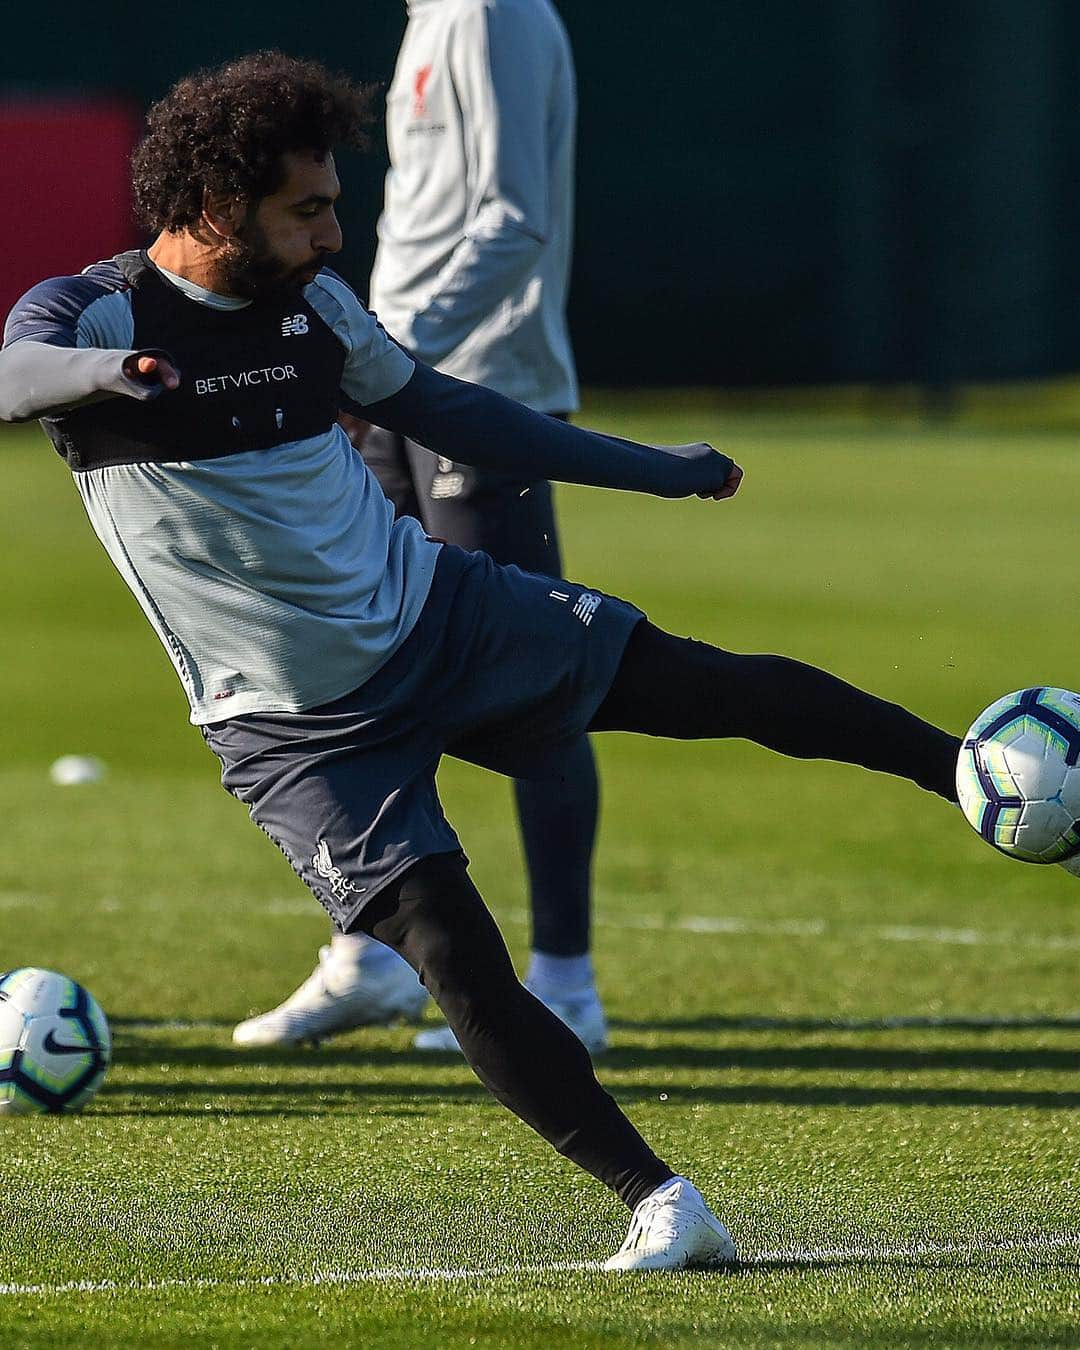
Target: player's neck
191	258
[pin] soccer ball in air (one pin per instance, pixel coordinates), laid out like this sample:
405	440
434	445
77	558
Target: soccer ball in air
1018	778
54	1043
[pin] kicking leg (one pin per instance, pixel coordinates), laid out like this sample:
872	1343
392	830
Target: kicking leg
672	686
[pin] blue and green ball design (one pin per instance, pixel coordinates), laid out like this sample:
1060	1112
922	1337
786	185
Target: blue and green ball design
55	1044
1017	776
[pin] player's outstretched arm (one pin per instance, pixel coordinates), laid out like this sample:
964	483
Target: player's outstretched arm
476	426
64	347
41	380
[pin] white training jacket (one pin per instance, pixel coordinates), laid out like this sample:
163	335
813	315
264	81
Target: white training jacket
473	261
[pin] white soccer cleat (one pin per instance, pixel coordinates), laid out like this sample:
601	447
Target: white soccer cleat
673	1229
583	1013
339	996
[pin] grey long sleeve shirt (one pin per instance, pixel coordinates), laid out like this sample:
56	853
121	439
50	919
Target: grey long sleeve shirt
473	261
258	544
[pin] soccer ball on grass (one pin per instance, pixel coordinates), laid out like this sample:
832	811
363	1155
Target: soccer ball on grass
54	1043
1018	778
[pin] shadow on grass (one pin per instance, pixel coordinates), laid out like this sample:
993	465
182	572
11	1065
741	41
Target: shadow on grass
692	1025
326	1095
804	1058
772	1024
301	1082
847	1058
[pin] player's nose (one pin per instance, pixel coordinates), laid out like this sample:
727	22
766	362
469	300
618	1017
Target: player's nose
329	238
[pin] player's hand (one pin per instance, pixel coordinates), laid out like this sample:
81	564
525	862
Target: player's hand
703	465
152	370
731	486
354	427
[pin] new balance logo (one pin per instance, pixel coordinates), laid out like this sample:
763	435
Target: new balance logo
340	887
586	607
293	325
561	596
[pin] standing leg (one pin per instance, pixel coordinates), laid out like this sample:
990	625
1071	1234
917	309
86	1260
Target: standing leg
672	686
523	1054
527	1058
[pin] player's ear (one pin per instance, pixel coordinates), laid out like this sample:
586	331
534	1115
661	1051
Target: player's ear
222	213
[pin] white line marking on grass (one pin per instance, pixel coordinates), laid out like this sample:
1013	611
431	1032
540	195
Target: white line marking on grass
122	1024
18	900
736	926
434	1275
718	925
732	925
294	905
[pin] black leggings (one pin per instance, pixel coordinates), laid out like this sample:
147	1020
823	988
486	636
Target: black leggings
665	686
673	686
434	918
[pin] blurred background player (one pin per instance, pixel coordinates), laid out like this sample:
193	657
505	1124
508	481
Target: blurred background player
471	276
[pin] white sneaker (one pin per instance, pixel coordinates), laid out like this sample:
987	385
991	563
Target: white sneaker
338	996
672	1229
583	1013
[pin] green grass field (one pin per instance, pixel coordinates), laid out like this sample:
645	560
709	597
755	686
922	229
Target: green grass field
851	1022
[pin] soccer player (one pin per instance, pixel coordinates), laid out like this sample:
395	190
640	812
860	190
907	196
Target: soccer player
330	653
471	276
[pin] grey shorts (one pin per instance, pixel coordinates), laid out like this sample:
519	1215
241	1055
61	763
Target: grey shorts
504	668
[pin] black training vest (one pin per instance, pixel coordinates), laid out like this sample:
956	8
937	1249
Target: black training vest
250	379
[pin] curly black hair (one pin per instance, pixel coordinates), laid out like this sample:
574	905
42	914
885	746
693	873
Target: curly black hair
226	130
